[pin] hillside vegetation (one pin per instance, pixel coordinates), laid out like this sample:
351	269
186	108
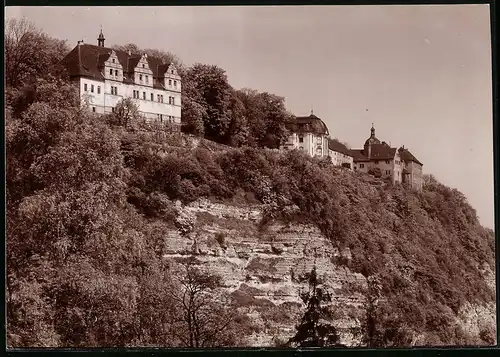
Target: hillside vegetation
89	200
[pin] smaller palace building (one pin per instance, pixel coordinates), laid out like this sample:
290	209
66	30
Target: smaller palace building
399	165
309	134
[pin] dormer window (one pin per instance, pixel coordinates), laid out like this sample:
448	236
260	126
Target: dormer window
110	72
143	66
170	82
116	72
140	76
113	60
172	71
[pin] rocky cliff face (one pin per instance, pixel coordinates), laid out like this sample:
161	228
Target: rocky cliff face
265	270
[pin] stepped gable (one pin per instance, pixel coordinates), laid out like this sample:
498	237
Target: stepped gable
86	60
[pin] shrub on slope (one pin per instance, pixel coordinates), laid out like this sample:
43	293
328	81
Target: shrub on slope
426	247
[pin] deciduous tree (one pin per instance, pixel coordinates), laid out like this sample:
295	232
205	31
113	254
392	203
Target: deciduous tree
202	320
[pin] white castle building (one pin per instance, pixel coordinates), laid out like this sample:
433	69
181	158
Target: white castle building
105	76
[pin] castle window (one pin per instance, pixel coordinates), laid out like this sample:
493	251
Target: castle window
98	89
143	66
110	72
93	109
169	82
158	97
91	88
387	172
147	79
113	109
116	72
140	77
301	139
152	97
172	71
144	95
173	101
175	84
387	162
161	117
113	60
361	166
85	87
161	98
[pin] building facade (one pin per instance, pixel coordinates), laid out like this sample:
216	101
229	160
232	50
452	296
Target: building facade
105	76
398	165
309	134
340	154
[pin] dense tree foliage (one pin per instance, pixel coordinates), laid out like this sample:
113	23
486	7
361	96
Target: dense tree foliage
30	53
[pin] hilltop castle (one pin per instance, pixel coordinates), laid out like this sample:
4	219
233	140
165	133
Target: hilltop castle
105	76
311	135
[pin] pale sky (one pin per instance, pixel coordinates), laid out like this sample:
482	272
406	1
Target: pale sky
423	72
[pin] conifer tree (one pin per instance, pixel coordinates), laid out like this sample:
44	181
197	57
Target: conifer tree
315	328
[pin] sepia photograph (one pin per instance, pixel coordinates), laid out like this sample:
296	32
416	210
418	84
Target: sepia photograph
249	176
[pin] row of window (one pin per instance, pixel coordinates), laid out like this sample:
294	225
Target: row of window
158	116
136	94
170	83
111	72
85	88
114	91
169	117
140	77
386	161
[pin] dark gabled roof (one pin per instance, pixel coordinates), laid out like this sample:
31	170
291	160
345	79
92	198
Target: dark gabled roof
337	146
382	152
406	155
358	155
86	60
309	124
378	152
